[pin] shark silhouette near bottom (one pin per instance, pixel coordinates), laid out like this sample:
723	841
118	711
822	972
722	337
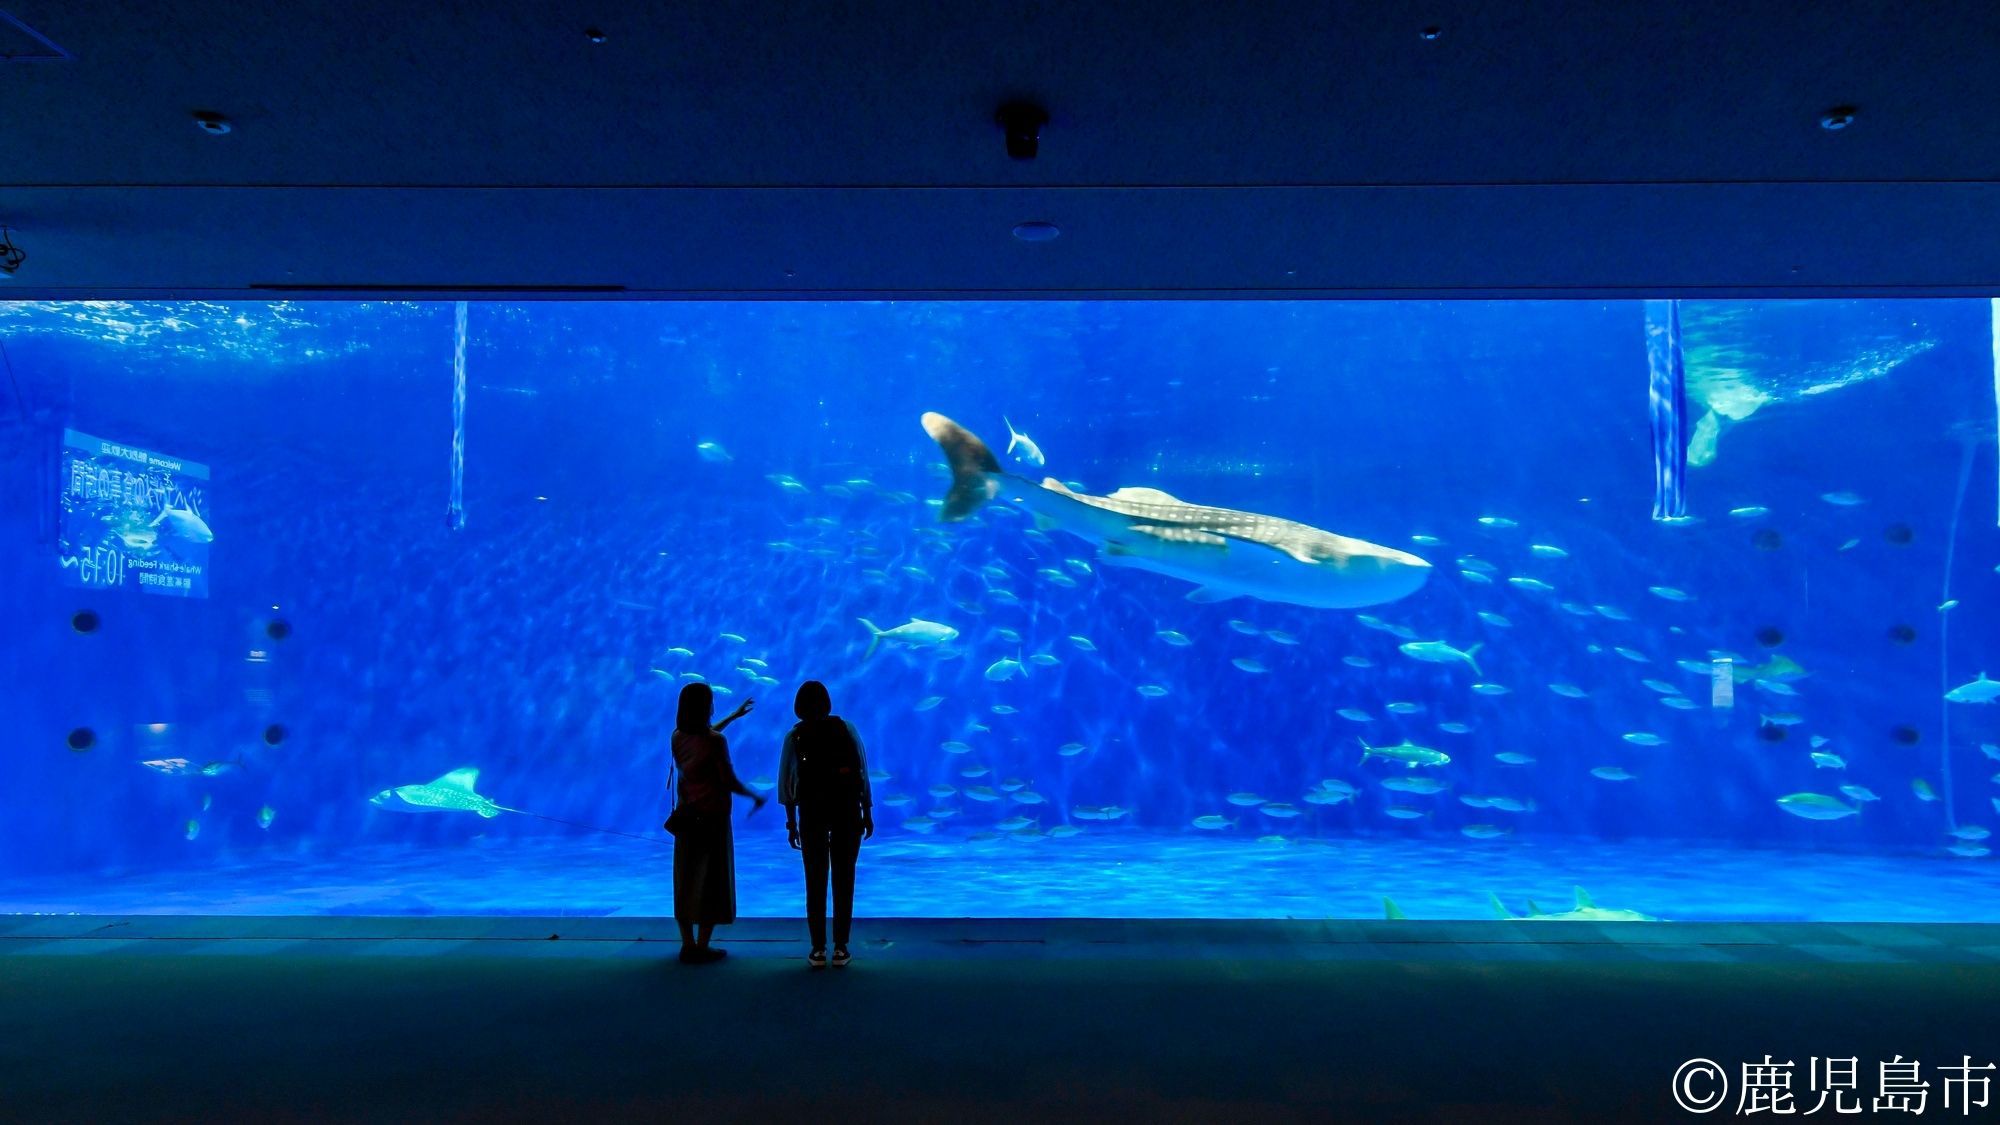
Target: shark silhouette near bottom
1225	553
1585	911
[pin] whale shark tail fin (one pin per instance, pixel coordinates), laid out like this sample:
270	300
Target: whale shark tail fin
874	636
973	467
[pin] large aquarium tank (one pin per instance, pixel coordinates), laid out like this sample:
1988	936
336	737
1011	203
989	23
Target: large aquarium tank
1267	609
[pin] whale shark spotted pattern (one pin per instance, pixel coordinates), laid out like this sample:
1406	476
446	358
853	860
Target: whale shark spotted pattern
453	792
1224	552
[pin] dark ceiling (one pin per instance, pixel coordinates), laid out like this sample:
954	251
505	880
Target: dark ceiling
766	148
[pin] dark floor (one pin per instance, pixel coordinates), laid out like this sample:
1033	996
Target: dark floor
400	1019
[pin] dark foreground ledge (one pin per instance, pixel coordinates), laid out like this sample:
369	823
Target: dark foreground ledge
173	1018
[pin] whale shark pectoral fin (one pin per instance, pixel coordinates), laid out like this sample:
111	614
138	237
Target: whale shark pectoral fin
1702	439
1139	494
966	495
1181	534
1209	595
464	778
1118	554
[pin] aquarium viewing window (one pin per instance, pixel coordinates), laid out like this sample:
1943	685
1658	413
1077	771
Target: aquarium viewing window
1267	609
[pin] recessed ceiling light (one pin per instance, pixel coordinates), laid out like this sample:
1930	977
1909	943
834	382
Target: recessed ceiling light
214	124
1431	33
1838	118
1037	232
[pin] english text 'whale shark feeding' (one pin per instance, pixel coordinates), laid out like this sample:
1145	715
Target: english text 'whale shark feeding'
1225	553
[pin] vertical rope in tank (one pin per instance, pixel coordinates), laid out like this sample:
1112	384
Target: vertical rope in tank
1944	595
455	514
1944	635
1669	409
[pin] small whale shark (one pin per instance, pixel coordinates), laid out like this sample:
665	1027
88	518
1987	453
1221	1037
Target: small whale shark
1225	553
451	793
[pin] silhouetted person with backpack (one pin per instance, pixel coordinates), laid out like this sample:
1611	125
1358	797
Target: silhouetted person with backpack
823	784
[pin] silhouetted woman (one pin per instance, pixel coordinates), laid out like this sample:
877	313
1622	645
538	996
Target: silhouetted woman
823	784
705	850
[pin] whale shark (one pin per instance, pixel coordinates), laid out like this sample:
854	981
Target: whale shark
451	793
1585	911
1224	552
1740	358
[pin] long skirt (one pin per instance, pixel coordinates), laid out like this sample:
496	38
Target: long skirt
705	874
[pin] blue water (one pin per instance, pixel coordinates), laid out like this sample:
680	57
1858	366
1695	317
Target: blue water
640	478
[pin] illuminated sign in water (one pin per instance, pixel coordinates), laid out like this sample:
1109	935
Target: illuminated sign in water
133	518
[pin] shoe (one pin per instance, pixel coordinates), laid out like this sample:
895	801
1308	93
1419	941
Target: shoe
710	953
691	955
840	957
816	959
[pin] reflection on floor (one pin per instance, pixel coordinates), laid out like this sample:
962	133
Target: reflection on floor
1117	873
146	1018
